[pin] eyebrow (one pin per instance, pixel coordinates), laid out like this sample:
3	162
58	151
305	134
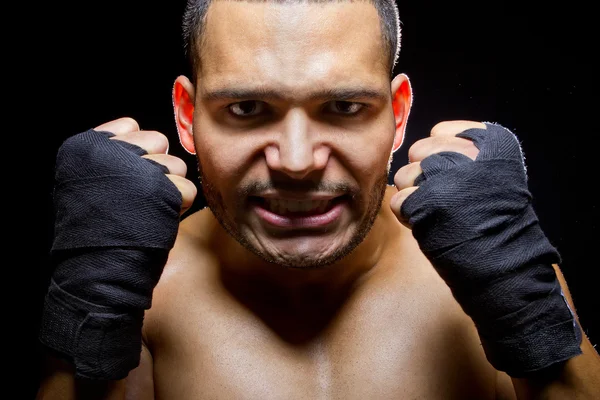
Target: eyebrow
340	94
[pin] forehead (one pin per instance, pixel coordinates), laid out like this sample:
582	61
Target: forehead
294	46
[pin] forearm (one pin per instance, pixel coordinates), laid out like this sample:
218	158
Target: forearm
577	378
59	382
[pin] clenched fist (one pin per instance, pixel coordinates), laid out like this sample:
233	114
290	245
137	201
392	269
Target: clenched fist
466	199
118	200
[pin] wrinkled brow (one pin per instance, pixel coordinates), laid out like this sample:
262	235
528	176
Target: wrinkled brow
340	94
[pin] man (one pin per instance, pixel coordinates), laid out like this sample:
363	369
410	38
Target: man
307	276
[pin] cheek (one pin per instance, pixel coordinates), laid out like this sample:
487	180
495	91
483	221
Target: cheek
370	154
233	156
224	154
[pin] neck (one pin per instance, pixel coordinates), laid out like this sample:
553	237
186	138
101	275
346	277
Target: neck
303	300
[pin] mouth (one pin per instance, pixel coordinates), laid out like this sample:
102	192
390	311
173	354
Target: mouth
299	214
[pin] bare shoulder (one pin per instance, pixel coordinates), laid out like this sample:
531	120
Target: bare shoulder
431	318
189	272
193	247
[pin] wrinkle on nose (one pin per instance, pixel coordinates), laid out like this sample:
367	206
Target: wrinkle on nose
293	151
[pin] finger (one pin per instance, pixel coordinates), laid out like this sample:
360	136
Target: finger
175	165
453	128
396	203
152	141
436	144
405	176
119	126
187	189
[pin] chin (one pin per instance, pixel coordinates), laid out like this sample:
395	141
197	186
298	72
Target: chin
305	250
305	238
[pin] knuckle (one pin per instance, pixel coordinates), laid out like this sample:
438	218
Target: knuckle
399	177
179	184
180	165
185	186
405	193
177	166
449	128
402	195
414	170
130	123
415	150
119	126
405	177
470	150
188	194
440	128
441	141
157	142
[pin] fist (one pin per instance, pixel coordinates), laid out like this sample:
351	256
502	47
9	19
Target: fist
442	138
118	200
465	197
156	146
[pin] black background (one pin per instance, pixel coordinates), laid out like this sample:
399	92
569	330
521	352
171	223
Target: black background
529	68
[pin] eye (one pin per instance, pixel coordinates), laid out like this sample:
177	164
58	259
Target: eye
248	108
345	107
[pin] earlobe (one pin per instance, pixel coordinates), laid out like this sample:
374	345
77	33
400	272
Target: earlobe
402	103
183	106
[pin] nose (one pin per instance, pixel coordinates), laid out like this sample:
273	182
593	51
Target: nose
296	151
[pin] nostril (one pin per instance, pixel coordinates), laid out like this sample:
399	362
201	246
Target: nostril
297	161
297	174
272	157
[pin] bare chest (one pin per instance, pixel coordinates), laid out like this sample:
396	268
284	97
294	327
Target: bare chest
412	343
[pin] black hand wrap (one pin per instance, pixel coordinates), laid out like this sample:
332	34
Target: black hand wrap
117	216
475	222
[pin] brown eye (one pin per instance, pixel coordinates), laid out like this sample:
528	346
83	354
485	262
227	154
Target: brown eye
345	107
248	108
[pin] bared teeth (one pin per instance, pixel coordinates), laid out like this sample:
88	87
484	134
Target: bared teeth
281	207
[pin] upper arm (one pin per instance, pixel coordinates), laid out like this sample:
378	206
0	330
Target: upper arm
58	382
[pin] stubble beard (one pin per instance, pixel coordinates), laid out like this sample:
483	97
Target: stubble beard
214	201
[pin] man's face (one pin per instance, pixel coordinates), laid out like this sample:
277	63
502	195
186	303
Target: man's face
293	126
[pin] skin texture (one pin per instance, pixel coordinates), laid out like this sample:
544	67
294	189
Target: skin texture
296	136
378	323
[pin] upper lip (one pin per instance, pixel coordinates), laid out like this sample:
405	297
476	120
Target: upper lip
283	195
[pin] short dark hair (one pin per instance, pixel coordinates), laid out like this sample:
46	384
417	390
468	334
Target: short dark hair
194	18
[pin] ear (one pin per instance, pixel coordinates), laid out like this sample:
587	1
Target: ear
401	102
183	105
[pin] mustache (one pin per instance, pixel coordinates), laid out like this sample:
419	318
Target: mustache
297	186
